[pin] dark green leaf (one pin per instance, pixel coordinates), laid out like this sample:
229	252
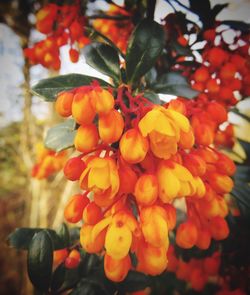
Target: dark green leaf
176	84
151	76
153	97
103	58
61	136
90	262
40	260
134	281
50	87
74	233
241	192
144	47
58	277
203	10
22	237
63	233
242	173
89	286
218	8
238	25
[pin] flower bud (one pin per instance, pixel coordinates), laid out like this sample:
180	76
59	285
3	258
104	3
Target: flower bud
86	138
133	146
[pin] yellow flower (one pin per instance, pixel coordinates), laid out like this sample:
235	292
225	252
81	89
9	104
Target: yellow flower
176	181
101	177
119	234
154	225
163	126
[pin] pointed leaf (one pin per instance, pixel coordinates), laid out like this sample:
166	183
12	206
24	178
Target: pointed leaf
21	238
61	136
176	84
153	97
50	87
58	277
134	281
63	233
103	58
144	47
40	260
218	8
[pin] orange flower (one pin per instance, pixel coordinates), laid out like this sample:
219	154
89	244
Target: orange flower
63	104
133	146
219	228
92	214
102	100
176	181
86	138
101	177
74	208
82	109
74	168
146	189
186	235
128	177
154	226
151	260
163	127
203	239
92	243
116	269
119	234
110	126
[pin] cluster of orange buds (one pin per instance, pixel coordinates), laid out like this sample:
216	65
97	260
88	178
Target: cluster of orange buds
118	31
48	162
221	75
206	215
70	258
62	25
196	272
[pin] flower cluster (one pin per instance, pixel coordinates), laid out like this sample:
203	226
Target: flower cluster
48	162
62	25
135	159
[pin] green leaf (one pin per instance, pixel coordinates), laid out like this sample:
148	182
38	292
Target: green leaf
134	281
21	238
63	233
49	88
89	286
103	58
144	47
218	8
58	277
74	233
176	84
153	97
40	260
242	173
61	136
241	192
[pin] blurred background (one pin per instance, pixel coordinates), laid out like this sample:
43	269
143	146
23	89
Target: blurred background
24	119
